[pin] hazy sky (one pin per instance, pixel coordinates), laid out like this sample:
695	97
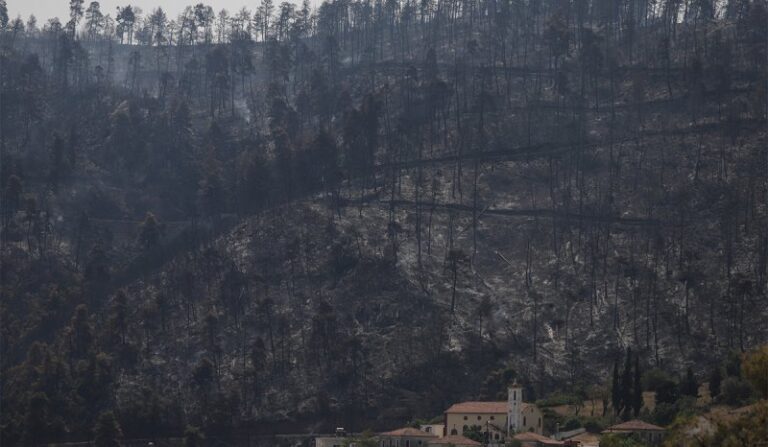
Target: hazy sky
46	9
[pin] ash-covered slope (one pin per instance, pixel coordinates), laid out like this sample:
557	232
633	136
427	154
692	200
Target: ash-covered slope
297	316
327	312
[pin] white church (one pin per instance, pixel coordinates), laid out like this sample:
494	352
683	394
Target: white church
500	420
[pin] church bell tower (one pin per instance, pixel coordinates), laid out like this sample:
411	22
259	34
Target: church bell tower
514	408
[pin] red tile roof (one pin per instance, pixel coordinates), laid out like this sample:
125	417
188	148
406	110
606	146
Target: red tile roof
409	432
634	425
455	440
478	407
535	437
482	407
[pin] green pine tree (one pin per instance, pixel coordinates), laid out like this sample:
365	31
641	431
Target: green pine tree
626	387
637	389
615	389
107	431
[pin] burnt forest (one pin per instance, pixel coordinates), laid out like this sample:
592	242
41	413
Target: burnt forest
225	227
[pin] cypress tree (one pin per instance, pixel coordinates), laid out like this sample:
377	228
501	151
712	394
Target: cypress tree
626	387
637	389
689	386
615	390
714	382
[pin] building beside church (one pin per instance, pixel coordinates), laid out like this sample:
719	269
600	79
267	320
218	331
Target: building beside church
640	430
406	437
495	420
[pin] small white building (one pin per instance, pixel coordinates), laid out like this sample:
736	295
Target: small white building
336	440
329	441
434	429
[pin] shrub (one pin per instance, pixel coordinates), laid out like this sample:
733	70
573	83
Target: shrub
620	440
551	420
667	392
735	391
594	426
754	368
664	413
475	433
686	406
571	424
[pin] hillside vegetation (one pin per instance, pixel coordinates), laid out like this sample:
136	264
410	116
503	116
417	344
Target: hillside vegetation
292	219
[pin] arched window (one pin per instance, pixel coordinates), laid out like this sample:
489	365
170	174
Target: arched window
524	421
465	418
479	417
454	432
493	417
514	395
